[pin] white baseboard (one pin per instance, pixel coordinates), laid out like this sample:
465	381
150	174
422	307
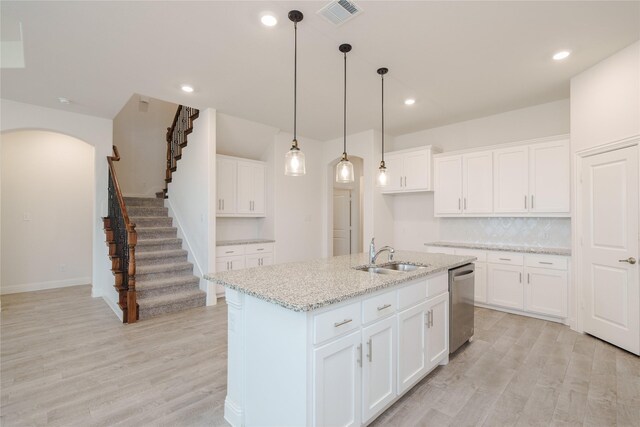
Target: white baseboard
40	286
232	413
114	306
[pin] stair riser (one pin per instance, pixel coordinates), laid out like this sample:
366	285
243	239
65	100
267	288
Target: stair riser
158	261
199	301
149	293
155	248
131	202
164	275
147	211
152	222
165	233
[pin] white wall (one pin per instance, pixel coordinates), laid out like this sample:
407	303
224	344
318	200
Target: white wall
192	194
139	132
47	210
96	132
605	100
414	223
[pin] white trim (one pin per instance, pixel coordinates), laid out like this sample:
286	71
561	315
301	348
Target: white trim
233	414
563	320
203	284
39	286
505	145
615	145
115	308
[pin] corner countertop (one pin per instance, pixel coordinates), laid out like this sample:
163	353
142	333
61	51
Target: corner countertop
242	242
309	285
505	248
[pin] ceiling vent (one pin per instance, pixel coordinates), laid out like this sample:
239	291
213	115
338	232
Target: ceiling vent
340	11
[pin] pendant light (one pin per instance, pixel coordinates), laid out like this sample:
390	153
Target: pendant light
382	170
294	159
344	168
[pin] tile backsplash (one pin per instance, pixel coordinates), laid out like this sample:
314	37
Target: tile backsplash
547	232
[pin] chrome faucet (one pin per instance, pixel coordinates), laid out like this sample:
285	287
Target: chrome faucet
373	255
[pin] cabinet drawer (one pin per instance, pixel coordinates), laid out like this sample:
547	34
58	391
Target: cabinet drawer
336	322
230	250
412	294
258	248
437	285
546	261
379	306
509	258
481	255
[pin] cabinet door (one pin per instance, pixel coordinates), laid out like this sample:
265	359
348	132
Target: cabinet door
511	180
412	363
226	182
245	187
222	264
395	174
258	198
448	185
546	292
416	171
477	178
437	330
237	263
549	177
337	382
504	286
267	259
379	366
480	285
252	261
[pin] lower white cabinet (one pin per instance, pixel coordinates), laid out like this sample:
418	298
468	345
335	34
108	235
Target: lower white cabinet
437	330
337	382
480	285
379	366
505	287
237	257
229	263
412	328
546	292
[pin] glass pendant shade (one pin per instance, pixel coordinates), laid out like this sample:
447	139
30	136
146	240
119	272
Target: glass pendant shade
344	171
294	162
383	178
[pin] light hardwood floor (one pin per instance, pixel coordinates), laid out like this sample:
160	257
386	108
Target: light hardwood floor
66	360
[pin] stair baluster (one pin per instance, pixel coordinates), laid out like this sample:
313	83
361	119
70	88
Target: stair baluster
177	139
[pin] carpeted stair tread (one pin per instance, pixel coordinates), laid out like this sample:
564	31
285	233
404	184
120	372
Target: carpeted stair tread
178	297
161	254
153	242
163	283
143	201
163	268
151	221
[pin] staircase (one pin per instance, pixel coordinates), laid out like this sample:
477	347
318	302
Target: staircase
164	279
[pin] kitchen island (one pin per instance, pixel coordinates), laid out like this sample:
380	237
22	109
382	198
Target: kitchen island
326	343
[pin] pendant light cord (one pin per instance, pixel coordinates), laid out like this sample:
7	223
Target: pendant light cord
295	81
382	77
345	105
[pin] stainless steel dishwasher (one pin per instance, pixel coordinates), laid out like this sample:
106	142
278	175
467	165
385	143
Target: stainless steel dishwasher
461	307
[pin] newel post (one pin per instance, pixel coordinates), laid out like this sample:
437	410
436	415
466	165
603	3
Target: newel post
132	306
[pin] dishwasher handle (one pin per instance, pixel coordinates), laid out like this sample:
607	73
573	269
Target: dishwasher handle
469	275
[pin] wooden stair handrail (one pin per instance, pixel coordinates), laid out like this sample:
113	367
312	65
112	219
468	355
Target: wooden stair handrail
181	127
131	314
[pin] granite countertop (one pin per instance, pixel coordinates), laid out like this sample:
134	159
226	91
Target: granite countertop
306	286
242	242
506	248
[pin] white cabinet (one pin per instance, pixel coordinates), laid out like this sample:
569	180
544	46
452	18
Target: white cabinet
237	257
410	170
464	184
549	177
511	180
337	382
437	341
505	287
230	263
480	285
258	260
412	363
546	292
251	188
379	366
226	171
240	186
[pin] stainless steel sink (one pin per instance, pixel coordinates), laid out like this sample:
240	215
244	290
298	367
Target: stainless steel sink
392	268
377	270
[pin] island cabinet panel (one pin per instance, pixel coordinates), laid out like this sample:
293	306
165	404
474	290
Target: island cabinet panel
379	366
380	306
336	322
337	391
412	363
437	344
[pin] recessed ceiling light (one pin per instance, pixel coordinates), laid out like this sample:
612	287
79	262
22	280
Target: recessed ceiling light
187	88
64	100
268	20
558	56
409	101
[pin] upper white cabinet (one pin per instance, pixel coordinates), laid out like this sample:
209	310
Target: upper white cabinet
464	184
241	187
410	170
517	180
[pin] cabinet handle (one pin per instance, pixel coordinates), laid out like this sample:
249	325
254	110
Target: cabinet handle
360	355
370	347
344	322
222	204
218	204
229	252
459	204
260	249
405	181
545	263
426	320
382	307
228	266
504	259
525	202
400	181
520	277
528	278
431	318
465	203
532	201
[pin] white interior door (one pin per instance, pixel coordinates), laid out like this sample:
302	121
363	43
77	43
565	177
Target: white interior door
341	222
609	242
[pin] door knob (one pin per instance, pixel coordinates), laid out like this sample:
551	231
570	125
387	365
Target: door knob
630	260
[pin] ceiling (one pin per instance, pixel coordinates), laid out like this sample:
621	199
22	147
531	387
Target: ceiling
459	60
